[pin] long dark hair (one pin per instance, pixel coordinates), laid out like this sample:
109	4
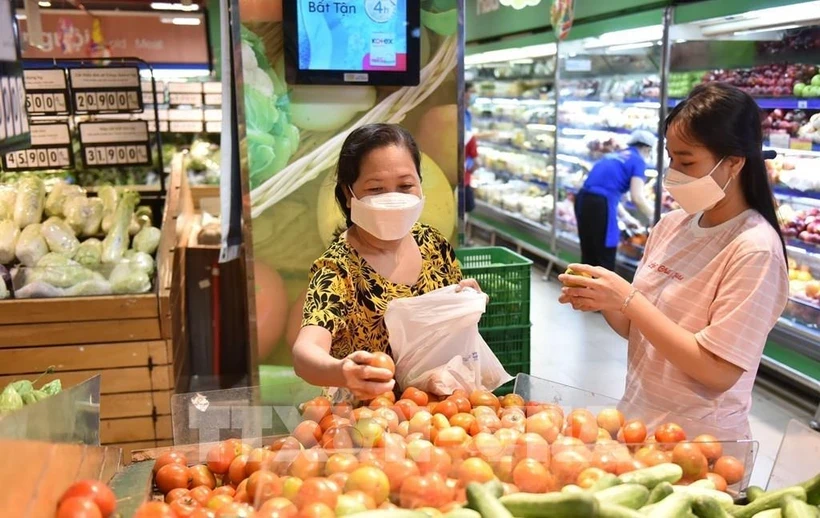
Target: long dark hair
358	144
726	121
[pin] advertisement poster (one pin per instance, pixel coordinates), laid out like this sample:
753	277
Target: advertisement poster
294	135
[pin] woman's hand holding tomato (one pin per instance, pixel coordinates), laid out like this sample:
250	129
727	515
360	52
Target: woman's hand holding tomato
603	291
367	375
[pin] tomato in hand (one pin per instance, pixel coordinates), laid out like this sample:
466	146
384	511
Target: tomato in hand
78	507
99	493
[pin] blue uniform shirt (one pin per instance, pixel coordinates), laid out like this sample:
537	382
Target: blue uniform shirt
612	174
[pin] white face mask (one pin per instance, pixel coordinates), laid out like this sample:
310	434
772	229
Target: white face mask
389	216
695	194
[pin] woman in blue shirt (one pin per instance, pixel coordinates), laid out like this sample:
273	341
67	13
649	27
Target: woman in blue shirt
597	204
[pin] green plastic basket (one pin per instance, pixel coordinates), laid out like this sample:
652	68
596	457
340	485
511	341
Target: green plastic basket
511	346
505	277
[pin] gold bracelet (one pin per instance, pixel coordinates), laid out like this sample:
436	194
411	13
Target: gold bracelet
628	299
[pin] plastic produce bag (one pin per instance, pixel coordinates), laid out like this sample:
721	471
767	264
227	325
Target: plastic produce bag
127	278
147	240
90	288
116	242
38	290
9	234
436	344
7	196
89	254
84	215
10	400
110	197
59	196
31	246
28	205
143	262
60	272
60	237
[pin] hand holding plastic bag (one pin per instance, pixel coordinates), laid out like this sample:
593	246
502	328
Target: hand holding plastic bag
436	344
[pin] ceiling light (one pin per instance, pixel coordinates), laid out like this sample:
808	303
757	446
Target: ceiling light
767	29
630	46
180	20
44	4
173	73
626	37
173	6
803	13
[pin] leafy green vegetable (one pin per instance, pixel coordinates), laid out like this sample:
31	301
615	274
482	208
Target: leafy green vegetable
34	396
9	234
22	386
143	262
31	246
52	387
7	196
109	197
10	400
117	240
60	194
28	206
147	240
60	237
90	253
126	278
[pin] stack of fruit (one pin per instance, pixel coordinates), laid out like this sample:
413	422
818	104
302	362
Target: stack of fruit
681	83
803	224
775	80
787	122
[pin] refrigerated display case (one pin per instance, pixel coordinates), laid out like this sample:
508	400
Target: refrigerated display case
773	54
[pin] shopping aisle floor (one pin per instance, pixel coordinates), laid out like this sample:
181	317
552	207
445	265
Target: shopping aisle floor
579	349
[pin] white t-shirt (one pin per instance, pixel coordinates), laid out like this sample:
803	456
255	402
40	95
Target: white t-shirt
727	284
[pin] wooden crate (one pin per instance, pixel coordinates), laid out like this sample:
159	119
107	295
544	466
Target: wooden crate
137	343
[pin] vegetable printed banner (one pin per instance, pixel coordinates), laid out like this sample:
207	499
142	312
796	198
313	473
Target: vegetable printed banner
294	135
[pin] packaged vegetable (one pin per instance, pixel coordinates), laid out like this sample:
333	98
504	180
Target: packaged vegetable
143	262
134	226
60	275
89	254
116	242
90	288
7	196
60	194
110	197
28	205
125	278
22	386
84	215
31	246
52	387
60	237
9	234
147	240
33	397
145	214
4	291
38	290
10	400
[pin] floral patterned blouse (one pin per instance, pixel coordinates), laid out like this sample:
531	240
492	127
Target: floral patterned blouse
348	298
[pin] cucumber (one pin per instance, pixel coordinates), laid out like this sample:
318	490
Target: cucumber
495	488
607	481
660	492
771	513
770	500
651	477
724	499
812	487
707	507
463	513
794	508
572	488
753	493
633	496
704	483
568	505
676	505
480	499
616	511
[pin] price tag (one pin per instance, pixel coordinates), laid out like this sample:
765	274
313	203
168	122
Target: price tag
213	127
185	115
46	92
106	144
163	126
213	99
186	127
802	104
50	149
148	92
213	115
14	128
100	90
578	65
779	140
800	144
179	99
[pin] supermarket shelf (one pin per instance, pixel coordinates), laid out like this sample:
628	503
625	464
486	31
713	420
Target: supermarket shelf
815	150
504	175
799	361
802	246
539	230
628	101
795	193
770	103
514	149
514	101
572	132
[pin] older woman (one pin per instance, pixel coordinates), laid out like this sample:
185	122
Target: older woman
384	254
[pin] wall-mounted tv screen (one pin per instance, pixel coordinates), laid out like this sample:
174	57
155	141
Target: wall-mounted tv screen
375	42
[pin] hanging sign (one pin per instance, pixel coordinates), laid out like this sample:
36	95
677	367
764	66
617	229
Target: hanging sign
105	89
105	144
14	128
46	92
561	16
50	149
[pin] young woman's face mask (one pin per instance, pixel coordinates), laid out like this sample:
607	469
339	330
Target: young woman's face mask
695	194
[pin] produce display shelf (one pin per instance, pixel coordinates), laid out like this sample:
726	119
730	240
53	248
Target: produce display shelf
575	130
795	193
627	101
815	149
514	149
771	103
514	100
522	177
803	246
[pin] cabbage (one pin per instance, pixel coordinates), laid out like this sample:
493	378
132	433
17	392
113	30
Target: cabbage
38	290
89	288
59	196
31	246
9	233
90	253
34	396
60	275
28	205
84	215
52	388
60	237
7	196
116	242
54	259
134	226
126	278
147	240
143	262
110	197
10	400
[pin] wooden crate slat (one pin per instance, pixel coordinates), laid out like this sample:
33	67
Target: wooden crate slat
164	429
34	360
113	381
135	404
99	464
65	333
132	429
128	447
78	309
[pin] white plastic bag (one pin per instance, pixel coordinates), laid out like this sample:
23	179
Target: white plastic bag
436	344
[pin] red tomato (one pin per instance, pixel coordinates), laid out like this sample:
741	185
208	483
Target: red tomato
670	433
419	397
730	468
474	470
220	457
201	495
171	457
171	477
710	447
317	489
217	502
236	471
201	476
532	477
100	493
691	459
225	490
235	510
308	433
382	361
398	471
202	512
634	432
316	510
371	481
184	507
316	409
154	510
718	481
78	507
175	494
262	486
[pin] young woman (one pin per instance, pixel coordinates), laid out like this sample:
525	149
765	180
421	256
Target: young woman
713	280
384	254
